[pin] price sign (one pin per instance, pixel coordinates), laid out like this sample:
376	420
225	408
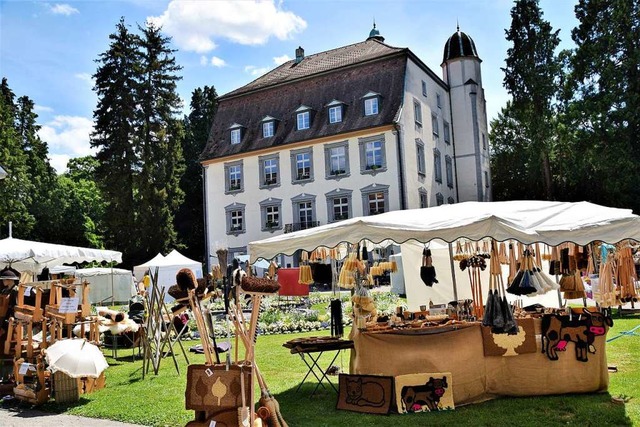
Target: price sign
27	291
69	305
24	368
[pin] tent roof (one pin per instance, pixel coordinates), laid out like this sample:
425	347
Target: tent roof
527	221
90	272
156	260
176	258
34	256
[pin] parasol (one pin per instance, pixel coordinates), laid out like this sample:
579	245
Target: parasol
76	358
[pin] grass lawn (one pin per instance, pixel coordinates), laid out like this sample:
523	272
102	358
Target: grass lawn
159	400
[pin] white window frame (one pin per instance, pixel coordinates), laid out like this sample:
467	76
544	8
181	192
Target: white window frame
424	88
267	165
236	136
435	127
344	197
303	120
335	114
330	155
271	214
423	198
446	130
297	202
371	106
417	112
297	178
378	190
448	162
268	129
439	199
235	214
235	168
372	147
420	158
437	166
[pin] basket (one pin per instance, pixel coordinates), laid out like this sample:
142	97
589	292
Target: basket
261	285
66	389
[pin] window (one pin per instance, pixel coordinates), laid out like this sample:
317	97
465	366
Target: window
447	132
235	136
304	207
375	199
439	199
338	204
423	199
302	165
437	165
233	177
235	218
372	154
370	106
269	170
336	159
486	179
434	127
270	214
450	200
304	120
422	169
417	112
424	88
449	168
484	142
438	100
335	114
267	129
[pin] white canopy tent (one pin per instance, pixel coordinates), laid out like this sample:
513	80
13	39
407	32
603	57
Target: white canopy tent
168	267
107	284
32	257
526	221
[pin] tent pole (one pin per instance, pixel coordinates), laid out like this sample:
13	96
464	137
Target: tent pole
453	273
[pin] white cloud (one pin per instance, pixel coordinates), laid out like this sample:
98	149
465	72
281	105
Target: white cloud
67	137
42	109
203	60
63	9
59	162
279	60
218	62
194	25
255	71
86	77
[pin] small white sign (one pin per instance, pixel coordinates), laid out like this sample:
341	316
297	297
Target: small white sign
212	424
27	291
208	371
24	368
69	305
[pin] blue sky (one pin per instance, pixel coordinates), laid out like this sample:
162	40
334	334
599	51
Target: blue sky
48	49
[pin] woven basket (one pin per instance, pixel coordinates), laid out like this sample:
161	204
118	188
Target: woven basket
262	285
66	389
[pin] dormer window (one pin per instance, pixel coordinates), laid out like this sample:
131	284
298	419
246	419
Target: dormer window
371	103
303	117
268	127
335	111
236	133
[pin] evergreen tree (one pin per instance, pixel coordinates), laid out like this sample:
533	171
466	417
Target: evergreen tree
115	116
16	189
190	217
605	99
531	76
159	143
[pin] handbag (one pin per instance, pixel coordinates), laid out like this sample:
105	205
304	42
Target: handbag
213	387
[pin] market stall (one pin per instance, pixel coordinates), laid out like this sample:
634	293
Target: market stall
464	349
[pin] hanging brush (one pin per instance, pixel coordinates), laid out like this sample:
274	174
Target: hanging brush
337	329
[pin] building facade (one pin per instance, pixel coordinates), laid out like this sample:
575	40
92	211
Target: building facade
354	131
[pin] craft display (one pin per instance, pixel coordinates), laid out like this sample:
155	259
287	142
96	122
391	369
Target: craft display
522	342
498	314
259	285
370	394
427	270
424	392
580	328
530	280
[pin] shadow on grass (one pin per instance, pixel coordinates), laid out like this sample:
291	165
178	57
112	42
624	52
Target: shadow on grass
25	410
300	408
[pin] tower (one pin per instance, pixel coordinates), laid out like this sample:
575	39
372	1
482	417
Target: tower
461	70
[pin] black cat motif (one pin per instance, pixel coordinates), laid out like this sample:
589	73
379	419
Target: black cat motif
364	393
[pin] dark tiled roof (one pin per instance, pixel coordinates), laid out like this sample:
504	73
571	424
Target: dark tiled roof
320	62
459	45
384	76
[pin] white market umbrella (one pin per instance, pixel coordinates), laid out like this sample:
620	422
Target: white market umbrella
76	358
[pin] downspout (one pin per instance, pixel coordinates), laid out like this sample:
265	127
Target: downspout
453	137
206	227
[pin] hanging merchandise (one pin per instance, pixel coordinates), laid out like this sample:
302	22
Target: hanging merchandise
474	264
273	269
427	270
502	253
605	293
337	329
498	313
305	276
513	263
626	277
522	282
554	262
460	255
364	308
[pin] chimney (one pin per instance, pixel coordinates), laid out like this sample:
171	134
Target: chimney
299	54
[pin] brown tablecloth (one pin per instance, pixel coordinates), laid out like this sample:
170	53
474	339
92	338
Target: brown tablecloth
476	377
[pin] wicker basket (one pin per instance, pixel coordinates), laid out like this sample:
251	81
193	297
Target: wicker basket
261	285
66	389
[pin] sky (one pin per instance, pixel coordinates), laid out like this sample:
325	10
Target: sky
48	49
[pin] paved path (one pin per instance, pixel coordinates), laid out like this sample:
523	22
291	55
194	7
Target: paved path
16	417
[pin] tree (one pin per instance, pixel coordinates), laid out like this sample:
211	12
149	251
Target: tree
159	143
604	91
531	76
190	217
15	189
115	116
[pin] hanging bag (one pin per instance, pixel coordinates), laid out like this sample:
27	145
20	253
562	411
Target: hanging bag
427	270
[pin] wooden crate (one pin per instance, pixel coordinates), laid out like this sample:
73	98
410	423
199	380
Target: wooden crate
65	388
89	385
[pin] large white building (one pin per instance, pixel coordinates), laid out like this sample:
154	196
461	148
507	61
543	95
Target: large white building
358	130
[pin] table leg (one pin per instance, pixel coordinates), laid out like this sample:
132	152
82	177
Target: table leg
324	375
311	368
